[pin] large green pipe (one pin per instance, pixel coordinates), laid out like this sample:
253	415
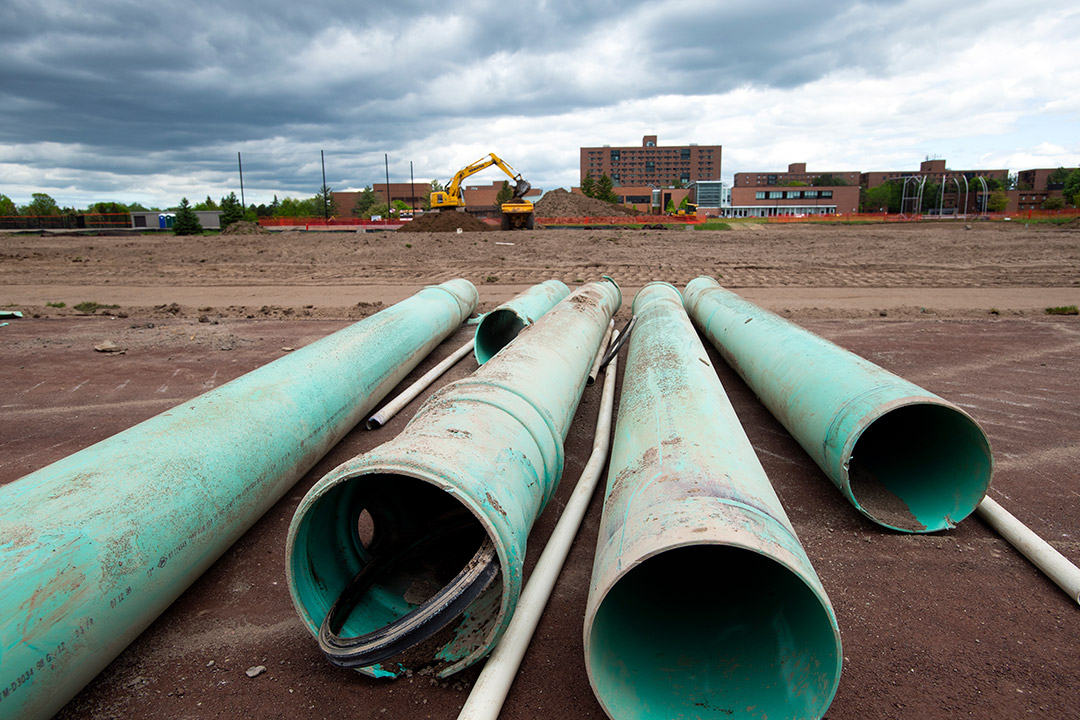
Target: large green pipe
703	603
489	448
97	545
906	458
498	327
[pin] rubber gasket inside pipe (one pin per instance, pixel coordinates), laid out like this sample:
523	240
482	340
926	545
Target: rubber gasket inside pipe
906	458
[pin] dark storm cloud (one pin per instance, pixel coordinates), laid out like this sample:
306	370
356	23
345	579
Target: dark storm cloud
126	87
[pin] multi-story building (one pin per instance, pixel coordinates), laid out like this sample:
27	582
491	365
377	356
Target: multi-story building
768	194
796	173
932	170
651	164
1033	188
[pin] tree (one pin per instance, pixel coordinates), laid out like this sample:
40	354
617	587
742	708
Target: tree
670	206
7	205
588	185
435	186
366	200
886	196
1058	177
1053	203
231	210
794	183
605	190
504	195
325	199
998	201
1071	191
187	222
207	204
41	204
828	180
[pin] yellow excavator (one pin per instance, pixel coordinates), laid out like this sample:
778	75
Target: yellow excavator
517	213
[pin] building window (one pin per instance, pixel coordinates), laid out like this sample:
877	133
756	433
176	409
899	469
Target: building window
684	153
615	156
776	194
810	193
826	193
759	195
770	180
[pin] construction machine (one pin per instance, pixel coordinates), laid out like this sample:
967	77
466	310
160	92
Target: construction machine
517	212
689	209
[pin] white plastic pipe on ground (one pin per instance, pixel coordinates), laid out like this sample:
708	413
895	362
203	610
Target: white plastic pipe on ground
488	694
410	393
1056	566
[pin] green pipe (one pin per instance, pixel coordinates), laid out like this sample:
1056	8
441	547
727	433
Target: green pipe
498	327
703	603
488	448
95	546
906	458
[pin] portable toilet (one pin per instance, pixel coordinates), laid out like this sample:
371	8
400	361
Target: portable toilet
166	221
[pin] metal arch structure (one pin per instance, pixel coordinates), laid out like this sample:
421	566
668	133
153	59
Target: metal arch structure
941	194
917	184
985	193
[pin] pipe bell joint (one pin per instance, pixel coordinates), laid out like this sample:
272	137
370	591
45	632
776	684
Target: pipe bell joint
412	554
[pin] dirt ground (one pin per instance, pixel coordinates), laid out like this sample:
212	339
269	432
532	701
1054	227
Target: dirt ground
948	625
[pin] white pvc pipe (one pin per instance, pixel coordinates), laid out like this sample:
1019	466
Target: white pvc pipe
488	694
604	345
1055	565
409	394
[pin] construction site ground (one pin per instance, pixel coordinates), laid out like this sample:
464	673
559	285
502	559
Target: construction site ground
947	625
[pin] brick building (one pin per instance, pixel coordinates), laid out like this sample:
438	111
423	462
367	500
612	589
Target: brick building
651	164
768	194
796	172
1033	189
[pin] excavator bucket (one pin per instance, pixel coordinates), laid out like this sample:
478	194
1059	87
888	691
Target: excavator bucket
521	188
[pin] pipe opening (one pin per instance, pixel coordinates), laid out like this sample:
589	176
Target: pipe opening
712	631
920	468
380	547
495	332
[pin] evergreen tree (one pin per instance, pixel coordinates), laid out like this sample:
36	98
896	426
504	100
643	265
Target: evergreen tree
231	210
605	190
187	222
588	185
364	202
325	199
504	194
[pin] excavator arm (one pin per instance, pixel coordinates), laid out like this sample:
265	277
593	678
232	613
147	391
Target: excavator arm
454	197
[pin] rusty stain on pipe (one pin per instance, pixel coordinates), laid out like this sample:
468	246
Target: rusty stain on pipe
703	603
95	546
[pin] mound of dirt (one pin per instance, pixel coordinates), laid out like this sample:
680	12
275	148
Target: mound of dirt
244	227
560	203
445	221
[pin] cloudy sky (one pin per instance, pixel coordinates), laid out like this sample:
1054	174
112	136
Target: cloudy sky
131	100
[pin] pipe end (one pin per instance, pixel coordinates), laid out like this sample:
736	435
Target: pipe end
715	632
920	467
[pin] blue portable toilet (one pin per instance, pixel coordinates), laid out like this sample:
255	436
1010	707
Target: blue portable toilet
166	220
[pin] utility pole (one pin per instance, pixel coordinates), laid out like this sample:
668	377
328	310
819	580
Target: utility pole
241	164
389	200
325	199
